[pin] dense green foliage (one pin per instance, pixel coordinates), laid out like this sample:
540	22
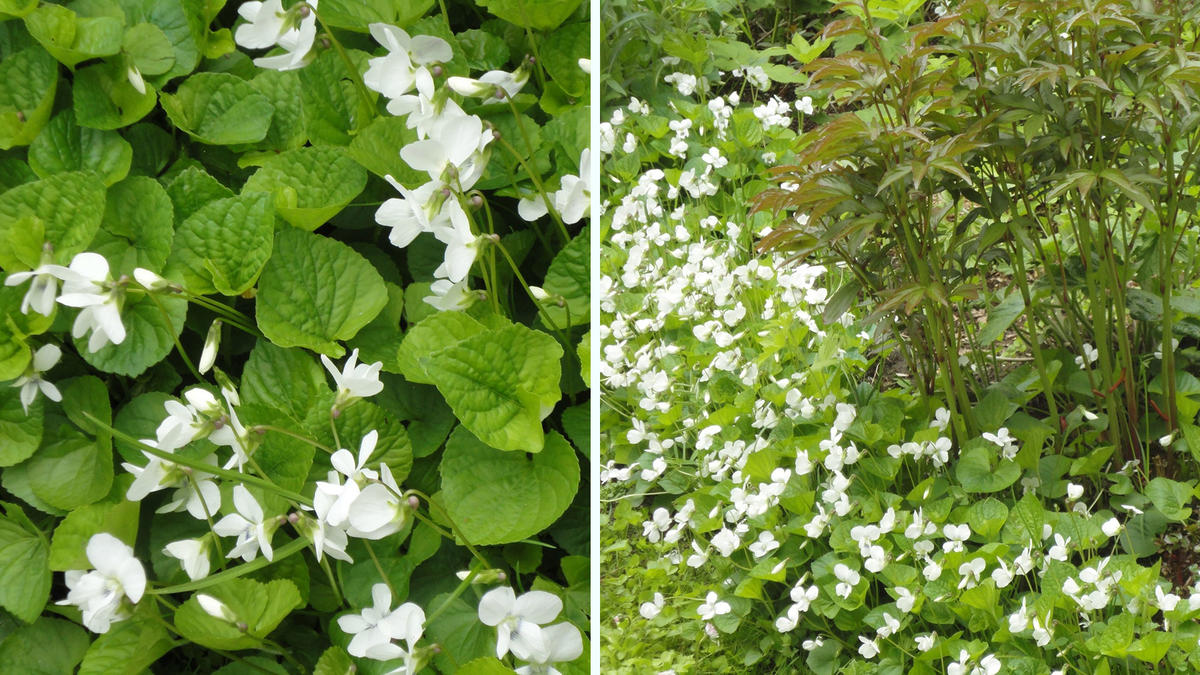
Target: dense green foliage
899	364
191	202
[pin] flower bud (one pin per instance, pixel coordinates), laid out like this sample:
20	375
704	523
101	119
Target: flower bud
209	354
217	609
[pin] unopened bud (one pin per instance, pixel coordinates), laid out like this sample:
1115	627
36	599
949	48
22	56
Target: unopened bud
476	201
325	43
437	71
218	610
260	430
219	422
446	192
500	93
488	576
335	412
304	10
413	502
293	517
211	342
242	627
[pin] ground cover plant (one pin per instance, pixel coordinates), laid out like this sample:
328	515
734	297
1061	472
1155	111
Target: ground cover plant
293	347
899	350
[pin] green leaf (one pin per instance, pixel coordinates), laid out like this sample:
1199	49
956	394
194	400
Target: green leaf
334	110
359	14
68	548
461	634
285	460
69	206
30	79
310	185
282	89
980	470
497	497
149	49
335	661
1152	646
375	148
987	517
1001	317
358	419
224	244
103	97
219	109
433	333
569	277
183	22
191	189
85	397
70	470
149	336
560	54
377	340
24	571
71	38
487	665
128	646
289	380
20	432
1170	497
501	384
1024	523
315	290
138	226
535	14
139	418
65	146
483	50
260	606
47	647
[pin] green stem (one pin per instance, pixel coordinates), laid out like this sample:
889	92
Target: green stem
291	548
182	460
457	533
537	181
175	336
379	567
458	591
299	437
355	76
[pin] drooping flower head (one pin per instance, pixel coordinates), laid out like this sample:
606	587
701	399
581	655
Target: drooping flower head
100	594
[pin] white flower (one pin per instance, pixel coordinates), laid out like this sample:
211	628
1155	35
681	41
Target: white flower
462	246
1042	630
376	627
847	579
192	554
378	510
1111	527
573	199
99	594
713	606
765	544
926	642
491	83
268	25
87	285
252	532
426	209
185	423
1074	491
454	140
1165	601
355	380
448	296
1003	440
215	608
563	643
726	541
41	293
869	649
518	621
649	610
1090	355
405	65
31	381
